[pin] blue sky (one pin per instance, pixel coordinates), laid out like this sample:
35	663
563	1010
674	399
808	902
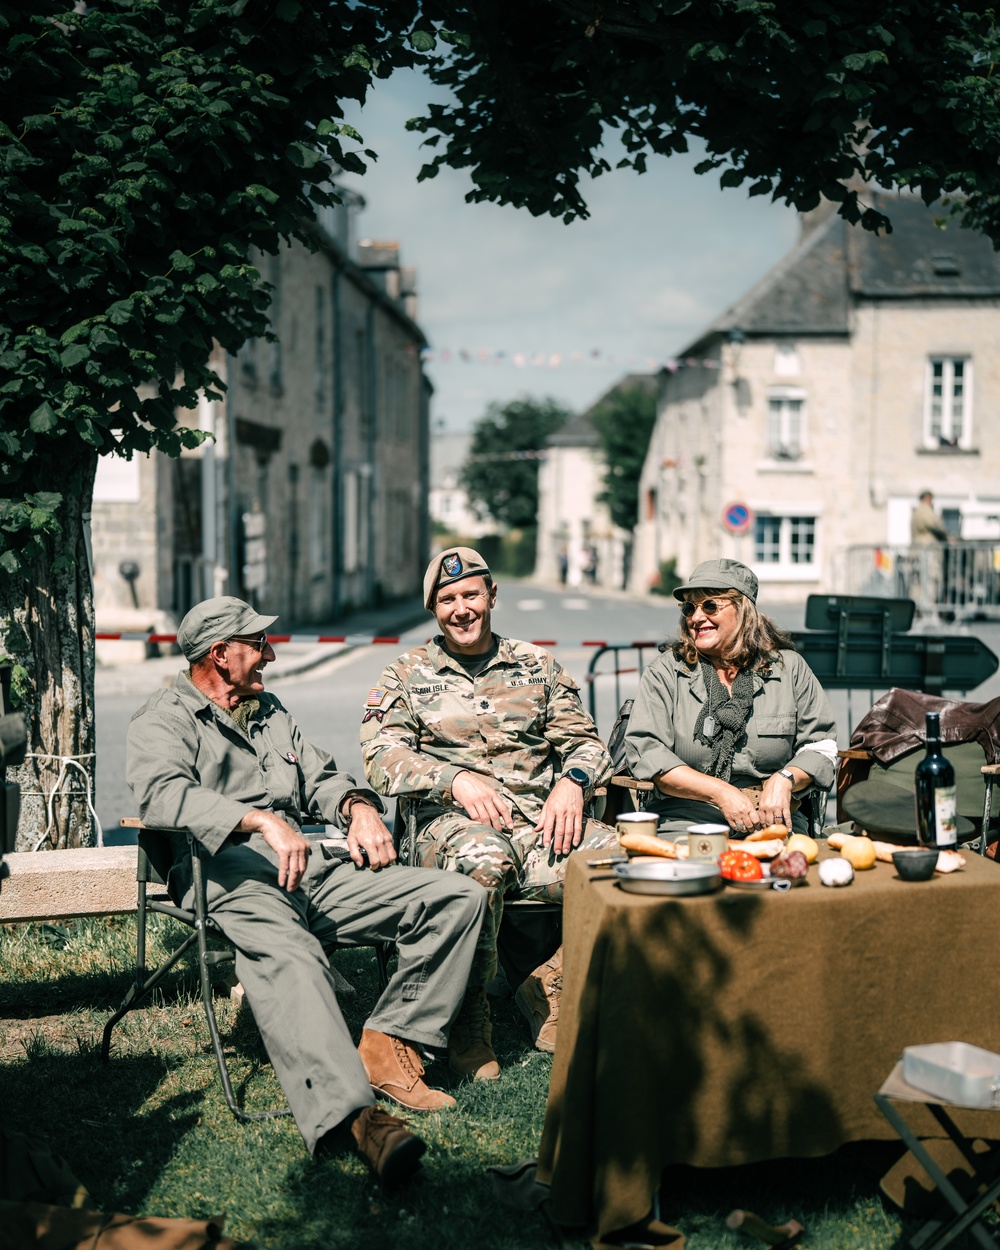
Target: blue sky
660	256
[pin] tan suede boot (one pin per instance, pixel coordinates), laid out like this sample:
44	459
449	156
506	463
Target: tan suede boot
391	1150
395	1071
538	997
470	1050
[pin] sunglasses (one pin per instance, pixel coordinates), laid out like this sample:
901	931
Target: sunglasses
258	644
711	607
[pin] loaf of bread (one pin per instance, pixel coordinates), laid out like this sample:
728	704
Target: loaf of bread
770	849
767	834
649	844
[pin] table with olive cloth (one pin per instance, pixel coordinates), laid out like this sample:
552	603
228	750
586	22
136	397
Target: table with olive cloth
739	1026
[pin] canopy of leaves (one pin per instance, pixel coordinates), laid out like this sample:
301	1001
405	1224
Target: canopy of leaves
501	483
145	147
624	419
795	98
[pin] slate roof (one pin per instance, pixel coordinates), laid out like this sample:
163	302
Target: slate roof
580	431
810	291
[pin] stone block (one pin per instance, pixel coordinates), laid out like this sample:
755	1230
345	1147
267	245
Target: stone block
57	885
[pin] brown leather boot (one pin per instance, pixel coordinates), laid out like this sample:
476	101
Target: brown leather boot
395	1071
392	1151
538	997
470	1052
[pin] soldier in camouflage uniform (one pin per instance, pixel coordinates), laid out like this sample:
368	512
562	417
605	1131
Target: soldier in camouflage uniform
488	740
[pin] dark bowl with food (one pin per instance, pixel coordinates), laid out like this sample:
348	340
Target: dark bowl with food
917	864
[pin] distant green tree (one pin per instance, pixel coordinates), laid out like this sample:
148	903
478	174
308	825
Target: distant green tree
625	420
502	484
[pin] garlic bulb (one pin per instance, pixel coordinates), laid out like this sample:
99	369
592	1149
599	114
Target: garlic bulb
836	872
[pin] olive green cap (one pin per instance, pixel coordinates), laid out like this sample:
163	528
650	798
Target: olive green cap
216	620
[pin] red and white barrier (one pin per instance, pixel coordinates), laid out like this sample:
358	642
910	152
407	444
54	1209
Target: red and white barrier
364	640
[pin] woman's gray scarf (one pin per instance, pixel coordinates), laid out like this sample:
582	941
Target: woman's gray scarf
731	711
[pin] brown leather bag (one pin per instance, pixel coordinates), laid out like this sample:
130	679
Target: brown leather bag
895	725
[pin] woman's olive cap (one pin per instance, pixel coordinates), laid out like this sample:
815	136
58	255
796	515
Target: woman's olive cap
720	575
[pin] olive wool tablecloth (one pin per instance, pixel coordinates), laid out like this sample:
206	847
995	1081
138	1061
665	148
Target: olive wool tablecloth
739	1026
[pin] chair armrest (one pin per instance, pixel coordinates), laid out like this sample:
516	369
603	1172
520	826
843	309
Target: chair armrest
854	753
990	770
632	783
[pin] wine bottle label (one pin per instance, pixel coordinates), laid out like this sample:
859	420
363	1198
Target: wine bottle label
945	822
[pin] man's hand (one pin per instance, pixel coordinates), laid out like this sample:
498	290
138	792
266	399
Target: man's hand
291	848
561	819
481	801
367	832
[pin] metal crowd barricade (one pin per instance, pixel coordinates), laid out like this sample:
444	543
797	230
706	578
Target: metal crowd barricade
594	672
960	579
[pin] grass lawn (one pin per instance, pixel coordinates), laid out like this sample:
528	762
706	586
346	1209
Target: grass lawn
150	1133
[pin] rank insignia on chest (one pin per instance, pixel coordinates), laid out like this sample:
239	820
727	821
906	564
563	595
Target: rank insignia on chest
375	696
377	712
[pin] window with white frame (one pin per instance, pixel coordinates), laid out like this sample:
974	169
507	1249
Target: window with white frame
785	540
948	410
786	423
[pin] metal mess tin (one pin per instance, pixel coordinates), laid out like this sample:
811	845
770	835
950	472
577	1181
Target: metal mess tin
668	876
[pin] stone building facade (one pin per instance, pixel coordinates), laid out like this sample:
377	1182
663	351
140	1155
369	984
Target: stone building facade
808	418
311	497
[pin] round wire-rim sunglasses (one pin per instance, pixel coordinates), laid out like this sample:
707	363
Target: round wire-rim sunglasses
711	607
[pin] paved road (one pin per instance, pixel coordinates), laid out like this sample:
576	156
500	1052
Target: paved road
328	700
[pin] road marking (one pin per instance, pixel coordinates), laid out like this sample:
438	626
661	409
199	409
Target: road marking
576	605
530	605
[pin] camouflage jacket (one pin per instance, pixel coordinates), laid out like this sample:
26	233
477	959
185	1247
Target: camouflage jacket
520	723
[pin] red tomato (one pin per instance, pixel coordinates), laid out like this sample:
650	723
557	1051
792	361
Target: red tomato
740	866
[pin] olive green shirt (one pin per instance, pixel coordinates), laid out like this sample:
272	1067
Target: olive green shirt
791	724
190	766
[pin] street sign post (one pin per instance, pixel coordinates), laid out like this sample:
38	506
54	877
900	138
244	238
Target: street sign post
737	517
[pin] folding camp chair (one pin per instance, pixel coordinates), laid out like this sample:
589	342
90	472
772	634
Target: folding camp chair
528	924
158	849
887	742
957	1212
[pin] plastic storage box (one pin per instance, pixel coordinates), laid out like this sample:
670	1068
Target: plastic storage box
955	1071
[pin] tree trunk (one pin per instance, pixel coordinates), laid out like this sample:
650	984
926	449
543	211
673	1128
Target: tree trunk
47	628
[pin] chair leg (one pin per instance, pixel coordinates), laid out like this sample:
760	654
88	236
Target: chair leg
140	988
987	814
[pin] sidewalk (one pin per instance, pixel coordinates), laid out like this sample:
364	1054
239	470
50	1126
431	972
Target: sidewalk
293	658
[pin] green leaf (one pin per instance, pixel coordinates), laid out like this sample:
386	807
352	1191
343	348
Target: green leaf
422	41
10	563
43	419
75	354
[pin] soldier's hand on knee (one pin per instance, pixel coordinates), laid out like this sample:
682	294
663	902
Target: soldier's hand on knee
561	820
369	834
481	801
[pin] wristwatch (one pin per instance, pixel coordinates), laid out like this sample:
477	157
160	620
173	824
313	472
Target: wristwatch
786	772
578	775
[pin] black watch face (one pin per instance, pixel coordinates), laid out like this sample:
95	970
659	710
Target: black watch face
579	776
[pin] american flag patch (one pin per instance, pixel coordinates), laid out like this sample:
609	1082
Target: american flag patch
375	696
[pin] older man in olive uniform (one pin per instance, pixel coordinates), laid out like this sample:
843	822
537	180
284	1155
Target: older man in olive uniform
217	755
488	737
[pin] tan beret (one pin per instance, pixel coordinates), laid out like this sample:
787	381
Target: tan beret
451	565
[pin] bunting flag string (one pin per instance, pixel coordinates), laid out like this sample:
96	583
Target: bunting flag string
558	360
